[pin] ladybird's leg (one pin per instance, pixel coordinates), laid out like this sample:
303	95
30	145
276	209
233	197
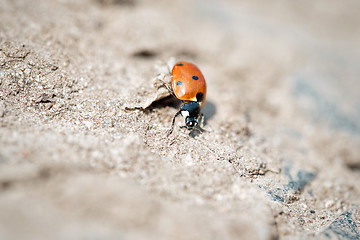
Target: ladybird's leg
169	70
198	128
201	120
173	123
195	131
201	123
166	85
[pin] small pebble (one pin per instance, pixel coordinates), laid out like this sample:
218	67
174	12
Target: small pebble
329	203
2	109
108	122
27	71
88	124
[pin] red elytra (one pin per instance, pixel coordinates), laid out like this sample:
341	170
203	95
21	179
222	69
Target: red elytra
188	83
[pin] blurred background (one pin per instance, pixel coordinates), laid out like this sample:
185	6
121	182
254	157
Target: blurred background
316	45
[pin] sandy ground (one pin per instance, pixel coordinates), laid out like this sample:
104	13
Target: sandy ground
83	147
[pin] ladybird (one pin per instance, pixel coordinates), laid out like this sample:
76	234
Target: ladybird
188	85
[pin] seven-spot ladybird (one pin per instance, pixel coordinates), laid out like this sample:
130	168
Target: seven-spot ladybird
189	86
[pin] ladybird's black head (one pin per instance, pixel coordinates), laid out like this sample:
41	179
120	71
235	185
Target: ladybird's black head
191	112
191	122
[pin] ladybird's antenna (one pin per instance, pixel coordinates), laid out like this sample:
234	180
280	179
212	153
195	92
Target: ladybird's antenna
173	122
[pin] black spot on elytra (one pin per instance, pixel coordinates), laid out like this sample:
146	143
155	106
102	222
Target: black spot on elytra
195	77
199	96
180	64
179	83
